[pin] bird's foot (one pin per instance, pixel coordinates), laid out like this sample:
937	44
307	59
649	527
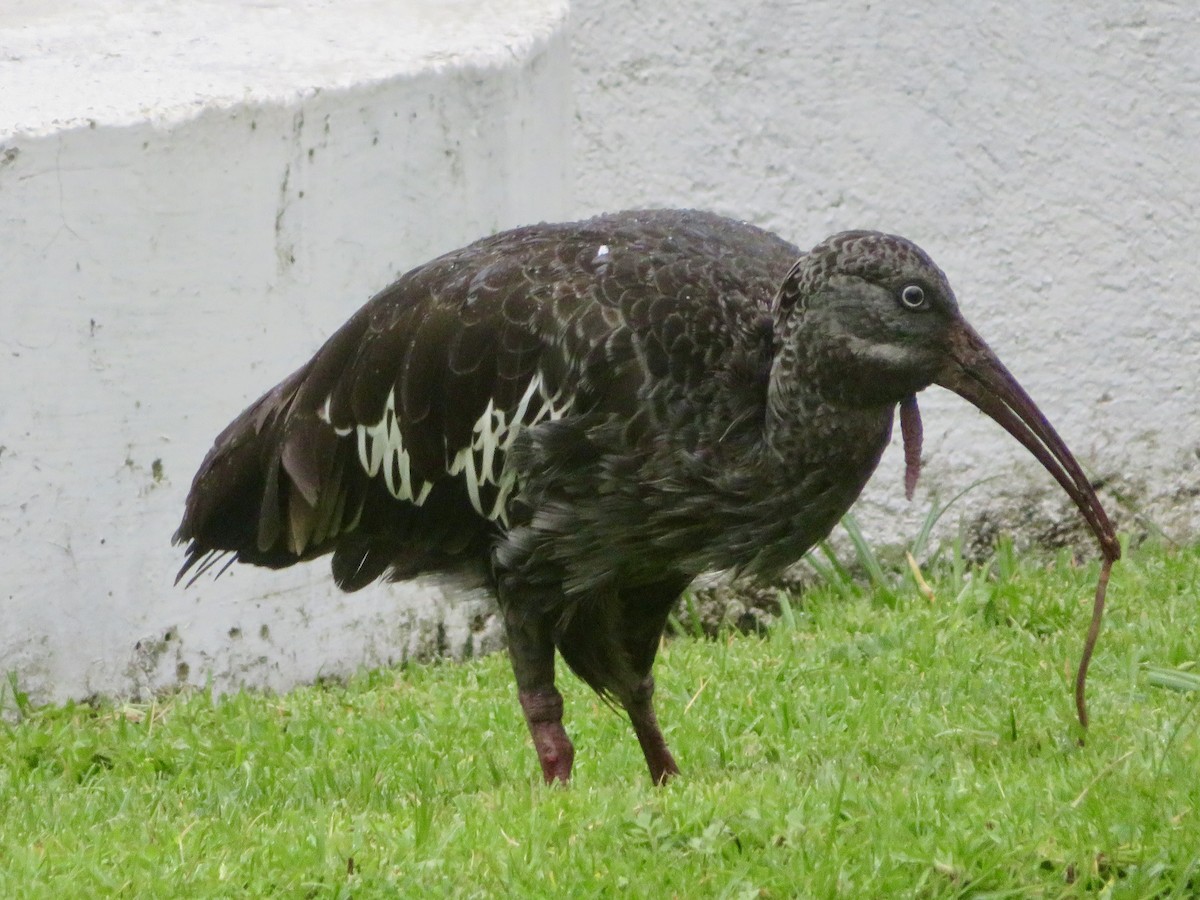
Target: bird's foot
543	714
662	764
640	707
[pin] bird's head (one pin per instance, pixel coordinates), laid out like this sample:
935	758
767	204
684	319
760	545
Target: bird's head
871	316
868	319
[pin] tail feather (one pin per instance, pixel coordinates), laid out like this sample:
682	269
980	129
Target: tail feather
238	502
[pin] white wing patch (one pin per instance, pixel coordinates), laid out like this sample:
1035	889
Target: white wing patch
494	432
380	447
482	462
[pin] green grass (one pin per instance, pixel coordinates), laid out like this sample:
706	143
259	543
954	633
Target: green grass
873	744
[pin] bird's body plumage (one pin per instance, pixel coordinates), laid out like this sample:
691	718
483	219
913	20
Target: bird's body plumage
597	412
578	397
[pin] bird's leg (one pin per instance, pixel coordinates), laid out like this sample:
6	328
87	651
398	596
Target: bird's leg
543	713
644	618
531	649
640	706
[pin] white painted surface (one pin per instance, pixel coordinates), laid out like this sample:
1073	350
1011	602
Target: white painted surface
192	197
1045	155
117	62
255	171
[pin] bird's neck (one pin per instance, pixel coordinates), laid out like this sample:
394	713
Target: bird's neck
816	408
807	427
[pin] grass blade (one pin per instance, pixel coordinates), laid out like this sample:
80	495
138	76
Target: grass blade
936	511
786	615
867	556
1173	679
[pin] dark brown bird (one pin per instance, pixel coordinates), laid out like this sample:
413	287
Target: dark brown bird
597	412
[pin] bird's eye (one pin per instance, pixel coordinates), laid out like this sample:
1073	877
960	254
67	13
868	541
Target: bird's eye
912	296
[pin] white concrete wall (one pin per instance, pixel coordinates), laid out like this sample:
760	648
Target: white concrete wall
1046	155
192	197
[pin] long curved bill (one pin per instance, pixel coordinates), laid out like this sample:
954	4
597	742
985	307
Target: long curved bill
976	374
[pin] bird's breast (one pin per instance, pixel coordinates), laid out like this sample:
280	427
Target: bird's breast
776	505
